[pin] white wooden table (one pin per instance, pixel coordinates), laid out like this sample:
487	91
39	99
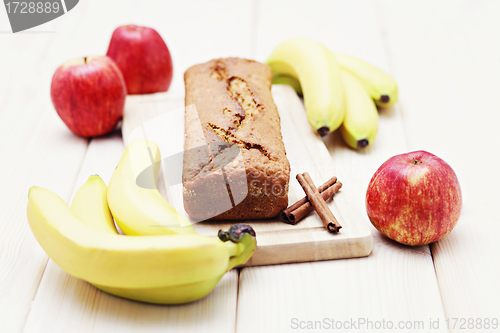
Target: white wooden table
445	56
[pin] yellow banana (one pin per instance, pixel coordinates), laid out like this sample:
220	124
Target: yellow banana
133	198
320	79
161	269
360	125
91	205
179	294
380	85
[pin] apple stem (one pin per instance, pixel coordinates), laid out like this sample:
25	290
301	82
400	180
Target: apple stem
85	60
415	162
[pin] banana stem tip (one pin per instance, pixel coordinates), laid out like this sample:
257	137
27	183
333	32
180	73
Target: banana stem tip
236	233
362	143
384	99
323	131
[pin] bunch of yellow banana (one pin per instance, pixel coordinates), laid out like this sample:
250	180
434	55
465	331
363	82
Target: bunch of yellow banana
161	259
339	91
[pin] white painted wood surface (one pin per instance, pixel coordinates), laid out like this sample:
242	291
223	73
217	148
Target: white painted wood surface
444	56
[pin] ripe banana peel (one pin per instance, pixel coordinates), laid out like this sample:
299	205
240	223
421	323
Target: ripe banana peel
179	294
90	205
133	198
360	125
184	293
320	79
381	86
166	269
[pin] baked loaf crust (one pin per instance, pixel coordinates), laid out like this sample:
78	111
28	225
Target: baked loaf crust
235	164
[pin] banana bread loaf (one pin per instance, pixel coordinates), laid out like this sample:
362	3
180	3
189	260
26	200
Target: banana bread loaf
235	165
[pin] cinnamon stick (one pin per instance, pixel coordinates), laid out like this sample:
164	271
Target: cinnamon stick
298	214
301	208
319	204
285	214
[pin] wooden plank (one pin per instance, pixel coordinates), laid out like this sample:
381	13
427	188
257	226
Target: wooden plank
64	303
277	242
395	283
449	82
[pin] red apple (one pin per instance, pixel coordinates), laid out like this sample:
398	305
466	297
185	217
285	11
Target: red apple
89	94
143	57
414	198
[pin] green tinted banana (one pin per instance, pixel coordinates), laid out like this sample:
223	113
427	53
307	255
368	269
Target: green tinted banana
290	81
360	125
380	85
133	198
145	268
319	77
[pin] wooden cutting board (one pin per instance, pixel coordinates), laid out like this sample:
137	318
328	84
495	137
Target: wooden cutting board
160	117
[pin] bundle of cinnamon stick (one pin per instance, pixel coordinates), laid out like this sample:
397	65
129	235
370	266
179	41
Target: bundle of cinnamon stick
315	200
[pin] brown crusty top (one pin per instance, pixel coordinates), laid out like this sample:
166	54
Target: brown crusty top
233	101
